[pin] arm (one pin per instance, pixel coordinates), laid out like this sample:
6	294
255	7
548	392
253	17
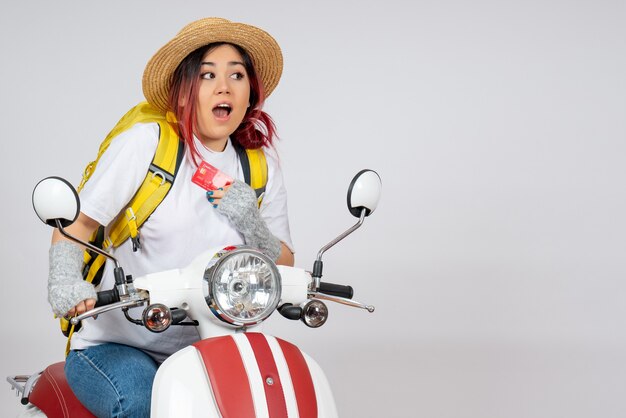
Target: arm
82	229
286	257
238	204
121	170
68	294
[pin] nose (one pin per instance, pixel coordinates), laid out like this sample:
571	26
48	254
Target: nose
222	85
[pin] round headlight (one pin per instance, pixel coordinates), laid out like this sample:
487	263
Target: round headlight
242	286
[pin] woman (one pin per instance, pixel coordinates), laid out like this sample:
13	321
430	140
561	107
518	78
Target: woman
212	78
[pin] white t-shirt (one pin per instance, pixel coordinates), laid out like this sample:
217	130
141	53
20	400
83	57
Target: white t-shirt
183	225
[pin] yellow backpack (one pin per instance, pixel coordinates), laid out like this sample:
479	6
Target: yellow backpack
159	179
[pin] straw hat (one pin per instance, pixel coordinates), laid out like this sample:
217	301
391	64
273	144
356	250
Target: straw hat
262	48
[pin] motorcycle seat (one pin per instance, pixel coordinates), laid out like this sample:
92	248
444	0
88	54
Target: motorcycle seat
54	397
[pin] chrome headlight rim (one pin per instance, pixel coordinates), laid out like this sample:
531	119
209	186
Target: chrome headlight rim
219	259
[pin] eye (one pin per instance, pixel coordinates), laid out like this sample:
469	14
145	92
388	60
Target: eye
207	76
237	76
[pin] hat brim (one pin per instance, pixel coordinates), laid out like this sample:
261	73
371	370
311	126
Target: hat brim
262	47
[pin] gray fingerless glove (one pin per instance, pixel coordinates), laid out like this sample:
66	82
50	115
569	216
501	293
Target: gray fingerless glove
66	286
239	205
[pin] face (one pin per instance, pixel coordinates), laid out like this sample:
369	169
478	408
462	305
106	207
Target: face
223	97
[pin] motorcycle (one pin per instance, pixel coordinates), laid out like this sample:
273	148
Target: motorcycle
234	370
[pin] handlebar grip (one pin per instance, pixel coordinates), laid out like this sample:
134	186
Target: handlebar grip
107	297
336	290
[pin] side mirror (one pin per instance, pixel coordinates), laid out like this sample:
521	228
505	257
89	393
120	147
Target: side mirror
363	196
57	204
55	199
364	193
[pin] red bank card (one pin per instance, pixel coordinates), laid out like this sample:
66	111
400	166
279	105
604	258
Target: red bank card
210	178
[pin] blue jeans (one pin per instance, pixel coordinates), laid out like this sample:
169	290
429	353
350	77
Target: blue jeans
112	380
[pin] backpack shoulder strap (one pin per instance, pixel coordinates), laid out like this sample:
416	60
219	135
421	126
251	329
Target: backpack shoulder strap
254	167
157	183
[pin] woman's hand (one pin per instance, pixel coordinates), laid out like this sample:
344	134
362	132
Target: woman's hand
238	203
81	307
68	293
215	196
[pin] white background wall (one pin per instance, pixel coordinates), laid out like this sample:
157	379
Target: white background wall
496	259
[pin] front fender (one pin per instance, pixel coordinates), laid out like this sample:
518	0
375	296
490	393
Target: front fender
247	374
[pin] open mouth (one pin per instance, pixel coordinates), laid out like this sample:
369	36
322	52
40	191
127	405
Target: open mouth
222	110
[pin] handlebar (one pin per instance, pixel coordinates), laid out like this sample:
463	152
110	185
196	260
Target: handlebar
107	297
336	290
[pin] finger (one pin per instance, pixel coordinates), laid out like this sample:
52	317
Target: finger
217	193
74	311
215	196
81	308
90	304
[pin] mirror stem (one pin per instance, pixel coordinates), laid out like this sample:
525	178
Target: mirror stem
317	266
86	244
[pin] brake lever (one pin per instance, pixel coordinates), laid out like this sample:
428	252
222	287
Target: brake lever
97	311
